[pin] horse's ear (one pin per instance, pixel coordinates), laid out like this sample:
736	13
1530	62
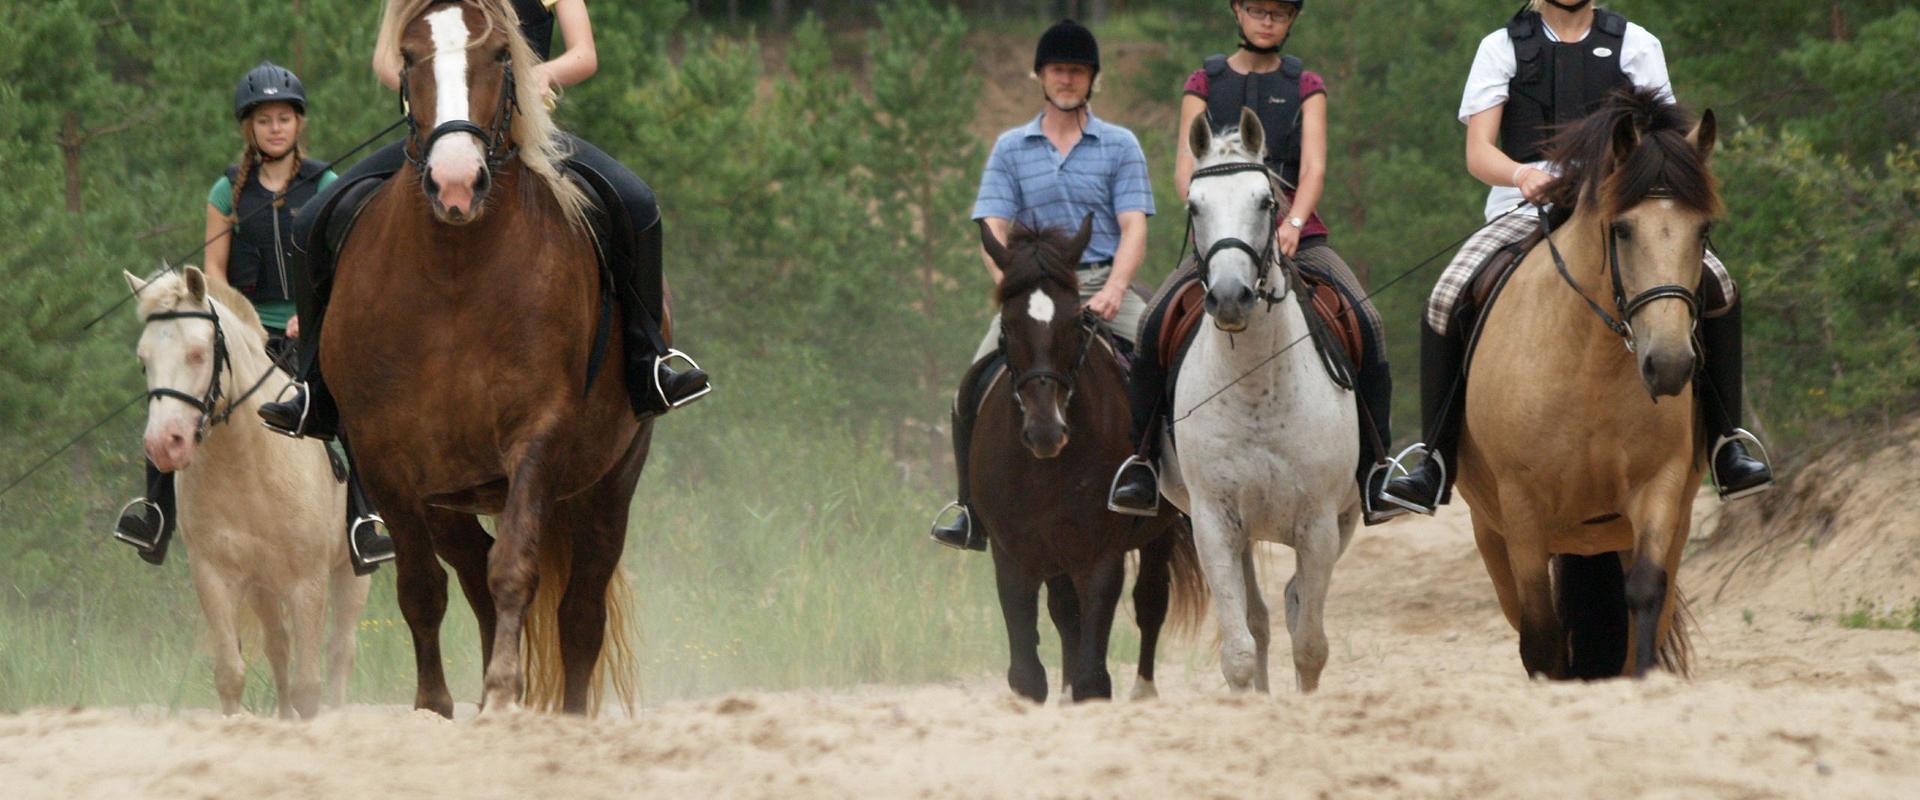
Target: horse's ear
1253	135
989	242
1625	138
1200	136
1704	134
133	281
196	283
1081	237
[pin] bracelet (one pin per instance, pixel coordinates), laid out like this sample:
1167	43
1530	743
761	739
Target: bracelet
1516	174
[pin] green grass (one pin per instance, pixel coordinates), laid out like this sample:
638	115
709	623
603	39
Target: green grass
1868	616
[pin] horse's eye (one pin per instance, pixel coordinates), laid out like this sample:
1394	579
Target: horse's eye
1622	230
501	57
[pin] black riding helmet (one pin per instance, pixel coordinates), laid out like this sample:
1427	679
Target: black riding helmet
1067	42
268	83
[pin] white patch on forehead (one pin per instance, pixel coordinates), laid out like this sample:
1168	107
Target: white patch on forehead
1667	204
1040	307
449	27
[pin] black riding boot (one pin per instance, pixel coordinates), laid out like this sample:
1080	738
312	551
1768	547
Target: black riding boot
1375	391
1442	401
367	546
653	384
1735	471
962	533
147	522
1136	485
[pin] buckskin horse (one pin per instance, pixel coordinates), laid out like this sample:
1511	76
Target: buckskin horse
1582	448
1050	430
466	309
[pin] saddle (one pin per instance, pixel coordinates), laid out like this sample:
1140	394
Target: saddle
1484	287
1332	319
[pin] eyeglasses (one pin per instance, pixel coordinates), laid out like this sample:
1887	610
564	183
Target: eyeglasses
1268	15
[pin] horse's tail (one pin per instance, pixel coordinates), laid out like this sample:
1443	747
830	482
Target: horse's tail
540	661
1676	651
1187	608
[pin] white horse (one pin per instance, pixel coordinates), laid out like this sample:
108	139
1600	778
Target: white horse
261	515
1265	442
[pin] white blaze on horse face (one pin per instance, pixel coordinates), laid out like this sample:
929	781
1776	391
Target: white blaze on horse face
1040	307
456	160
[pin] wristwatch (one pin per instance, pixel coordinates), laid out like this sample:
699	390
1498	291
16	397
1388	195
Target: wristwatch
1297	222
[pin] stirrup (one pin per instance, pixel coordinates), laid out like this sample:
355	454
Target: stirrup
1375	516
158	531
306	408
1114	486
660	390
1426	453
353	542
966	514
1739	435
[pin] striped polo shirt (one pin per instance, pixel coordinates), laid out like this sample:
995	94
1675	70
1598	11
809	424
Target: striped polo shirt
1027	180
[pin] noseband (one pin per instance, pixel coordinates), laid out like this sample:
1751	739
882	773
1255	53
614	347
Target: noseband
1263	258
1624	306
222	362
497	137
1064	379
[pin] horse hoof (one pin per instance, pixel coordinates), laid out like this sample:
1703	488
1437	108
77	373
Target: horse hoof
1143	690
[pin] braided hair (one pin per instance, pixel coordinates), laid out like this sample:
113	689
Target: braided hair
251	158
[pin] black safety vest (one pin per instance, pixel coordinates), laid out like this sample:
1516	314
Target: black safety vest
536	23
1274	98
251	265
1557	82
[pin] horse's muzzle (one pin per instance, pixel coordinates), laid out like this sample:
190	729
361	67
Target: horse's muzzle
1230	303
1666	369
456	181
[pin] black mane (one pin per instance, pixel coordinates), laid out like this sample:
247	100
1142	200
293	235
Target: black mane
1633	148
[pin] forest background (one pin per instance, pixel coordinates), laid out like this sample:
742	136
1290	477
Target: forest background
817	162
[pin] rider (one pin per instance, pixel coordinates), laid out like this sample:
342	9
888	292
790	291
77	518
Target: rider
1052	172
271	107
654	386
1574	55
1291	103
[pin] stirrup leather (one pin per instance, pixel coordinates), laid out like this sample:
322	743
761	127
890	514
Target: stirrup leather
353	541
1390	466
1426	452
158	531
660	390
966	515
306	408
1114	486
1713	456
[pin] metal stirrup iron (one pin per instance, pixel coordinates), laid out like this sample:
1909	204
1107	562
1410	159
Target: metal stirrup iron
1739	435
1115	486
660	390
354	541
306	407
1394	469
1438	460
145	547
966	516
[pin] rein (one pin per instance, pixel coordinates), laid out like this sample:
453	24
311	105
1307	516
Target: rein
1624	306
1263	258
222	362
498	136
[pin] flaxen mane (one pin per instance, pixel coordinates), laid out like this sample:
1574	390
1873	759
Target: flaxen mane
542	146
1658	158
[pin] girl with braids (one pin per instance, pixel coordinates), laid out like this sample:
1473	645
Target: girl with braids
250	212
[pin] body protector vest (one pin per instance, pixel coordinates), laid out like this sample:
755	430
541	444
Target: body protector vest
1556	83
261	259
536	23
1274	98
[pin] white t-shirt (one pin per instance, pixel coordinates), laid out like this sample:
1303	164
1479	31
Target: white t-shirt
1641	58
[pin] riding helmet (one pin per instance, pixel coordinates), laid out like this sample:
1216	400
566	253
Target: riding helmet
268	83
1067	42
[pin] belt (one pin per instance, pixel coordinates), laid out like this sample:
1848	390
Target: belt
1090	265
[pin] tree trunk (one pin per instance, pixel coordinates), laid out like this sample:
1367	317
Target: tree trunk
1839	17
71	141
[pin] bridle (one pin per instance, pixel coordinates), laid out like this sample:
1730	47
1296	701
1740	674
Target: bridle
497	136
222	362
1263	258
1624	306
1087	327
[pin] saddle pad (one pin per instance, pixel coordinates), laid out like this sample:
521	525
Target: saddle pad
1183	315
1340	322
1484	289
1342	319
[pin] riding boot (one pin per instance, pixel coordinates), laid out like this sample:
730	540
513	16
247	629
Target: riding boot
367	545
1136	485
1443	387
961	533
1375	397
1736	472
147	522
653	384
309	410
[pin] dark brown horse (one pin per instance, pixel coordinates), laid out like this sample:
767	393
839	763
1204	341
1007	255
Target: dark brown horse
463	314
1049	433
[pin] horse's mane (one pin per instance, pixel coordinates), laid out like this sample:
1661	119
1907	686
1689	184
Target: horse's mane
1040	255
542	145
1661	161
168	292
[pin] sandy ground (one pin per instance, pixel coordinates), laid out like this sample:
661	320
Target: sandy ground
1424	697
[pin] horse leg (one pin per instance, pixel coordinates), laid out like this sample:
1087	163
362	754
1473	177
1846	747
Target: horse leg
1493	553
1063	605
1258	622
1101	589
273	628
1020	606
1662	536
597	520
218	601
1151	590
1315	550
421	585
1220	545
513	570
1543	641
347	598
307	615
462	543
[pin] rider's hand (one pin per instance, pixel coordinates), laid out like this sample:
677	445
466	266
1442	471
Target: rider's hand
1287	238
1533	184
293	327
1106	302
549	85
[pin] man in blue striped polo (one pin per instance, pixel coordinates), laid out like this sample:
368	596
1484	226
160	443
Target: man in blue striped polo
1051	173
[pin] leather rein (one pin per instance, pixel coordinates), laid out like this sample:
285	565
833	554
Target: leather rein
222	362
1623	306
